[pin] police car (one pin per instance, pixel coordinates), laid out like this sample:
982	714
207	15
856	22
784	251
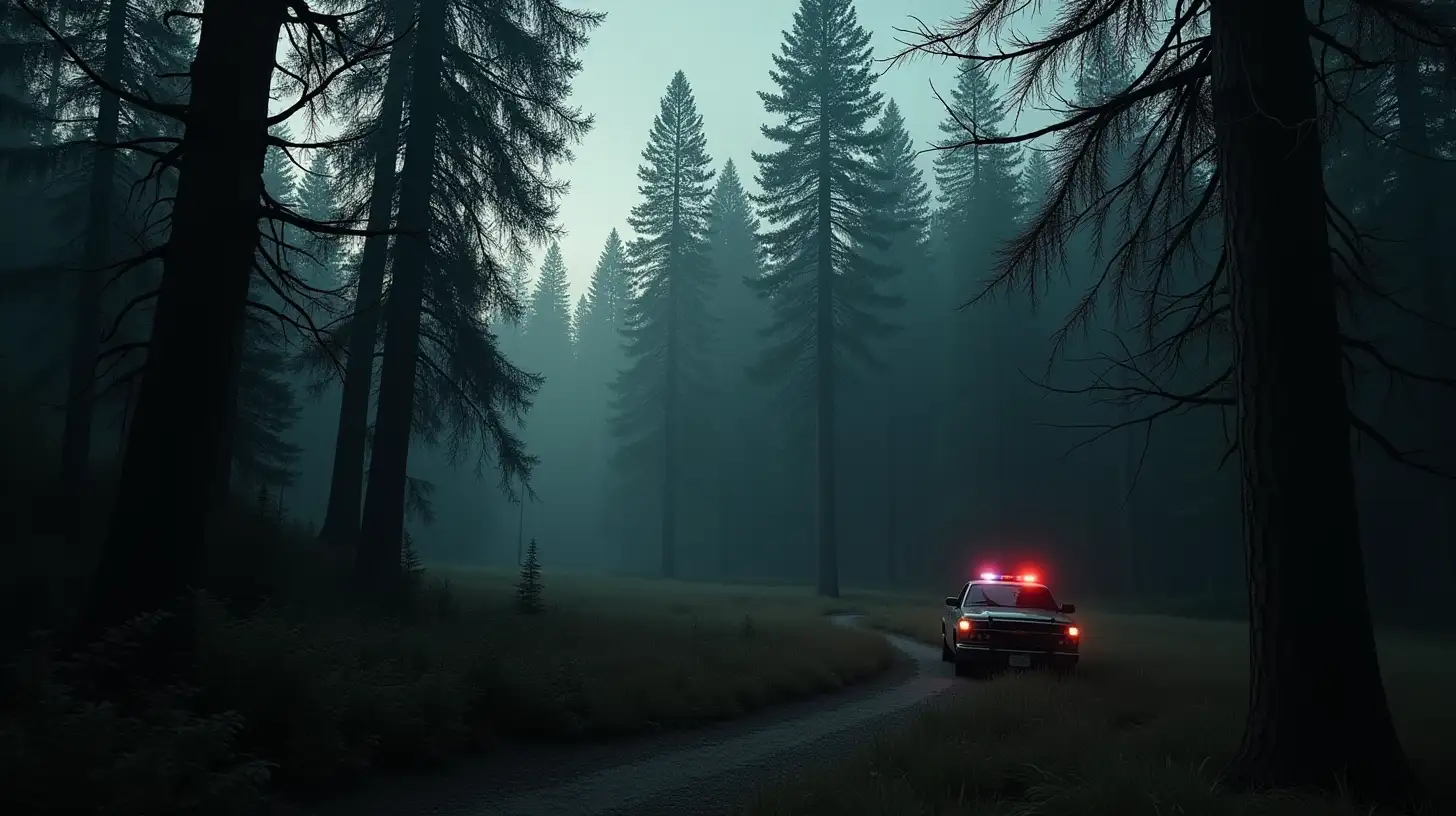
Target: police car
1008	621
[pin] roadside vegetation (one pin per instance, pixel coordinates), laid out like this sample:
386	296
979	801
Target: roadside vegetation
1144	728
293	690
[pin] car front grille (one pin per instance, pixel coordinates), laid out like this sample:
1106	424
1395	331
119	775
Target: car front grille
1031	637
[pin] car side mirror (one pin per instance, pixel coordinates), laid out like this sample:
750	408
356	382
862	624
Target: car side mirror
952	600
1068	609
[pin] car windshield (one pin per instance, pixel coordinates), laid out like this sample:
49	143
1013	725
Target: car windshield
1013	595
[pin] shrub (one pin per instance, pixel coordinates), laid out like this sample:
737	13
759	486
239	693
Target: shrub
528	588
64	752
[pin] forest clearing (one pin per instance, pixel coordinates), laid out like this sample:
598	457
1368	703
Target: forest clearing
386	382
1143	728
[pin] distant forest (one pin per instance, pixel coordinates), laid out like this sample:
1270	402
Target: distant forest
788	366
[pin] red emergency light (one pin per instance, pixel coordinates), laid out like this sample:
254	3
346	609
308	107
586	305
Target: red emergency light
1024	578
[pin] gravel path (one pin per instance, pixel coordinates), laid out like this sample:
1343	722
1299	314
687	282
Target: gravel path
704	771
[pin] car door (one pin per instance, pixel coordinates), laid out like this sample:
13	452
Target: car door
947	621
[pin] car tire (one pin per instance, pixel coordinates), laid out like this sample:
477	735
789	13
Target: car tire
946	655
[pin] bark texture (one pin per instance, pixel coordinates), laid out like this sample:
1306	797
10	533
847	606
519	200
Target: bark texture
377	565
1318	715
178	442
346	484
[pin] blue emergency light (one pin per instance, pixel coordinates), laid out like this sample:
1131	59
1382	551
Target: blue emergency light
1024	578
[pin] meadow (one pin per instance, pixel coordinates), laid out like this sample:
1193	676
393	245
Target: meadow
1142	729
300	700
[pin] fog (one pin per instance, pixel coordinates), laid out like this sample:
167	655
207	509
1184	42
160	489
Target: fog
355	352
684	423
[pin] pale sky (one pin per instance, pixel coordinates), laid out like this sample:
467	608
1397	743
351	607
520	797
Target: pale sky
726	50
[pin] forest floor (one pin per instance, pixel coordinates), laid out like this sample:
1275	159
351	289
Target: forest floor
307	701
707	771
1142	729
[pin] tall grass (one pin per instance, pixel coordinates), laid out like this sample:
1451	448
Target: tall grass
291	690
1142	729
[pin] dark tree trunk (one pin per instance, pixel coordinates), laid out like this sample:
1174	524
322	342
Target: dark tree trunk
91	278
1317	715
220	507
377	566
824	372
346	484
178	434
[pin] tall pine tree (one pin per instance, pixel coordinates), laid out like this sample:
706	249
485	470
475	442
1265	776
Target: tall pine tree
658	394
126	42
978	183
980	209
897	419
317	200
740	413
548	318
820	193
266	404
471	92
578	319
1036	179
600	355
369	171
546	350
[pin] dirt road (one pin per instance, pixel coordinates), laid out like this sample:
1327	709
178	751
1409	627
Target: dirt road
704	771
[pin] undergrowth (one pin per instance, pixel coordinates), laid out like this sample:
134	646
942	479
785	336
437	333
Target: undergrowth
290	691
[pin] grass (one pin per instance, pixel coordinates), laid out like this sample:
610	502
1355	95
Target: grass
304	702
291	692
1153	712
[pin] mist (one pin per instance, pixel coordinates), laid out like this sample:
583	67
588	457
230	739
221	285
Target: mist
329	309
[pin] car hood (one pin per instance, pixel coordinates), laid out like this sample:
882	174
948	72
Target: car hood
1030	615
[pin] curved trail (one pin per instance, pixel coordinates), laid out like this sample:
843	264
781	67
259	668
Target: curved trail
702	771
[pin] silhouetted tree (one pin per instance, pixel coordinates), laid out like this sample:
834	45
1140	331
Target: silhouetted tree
546	349
472	92
599	333
369	180
600	355
1224	121
266	411
980	201
78	125
319	260
548	317
740	422
897	420
820	195
668	328
529	600
1036	179
179	444
264	404
578	319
